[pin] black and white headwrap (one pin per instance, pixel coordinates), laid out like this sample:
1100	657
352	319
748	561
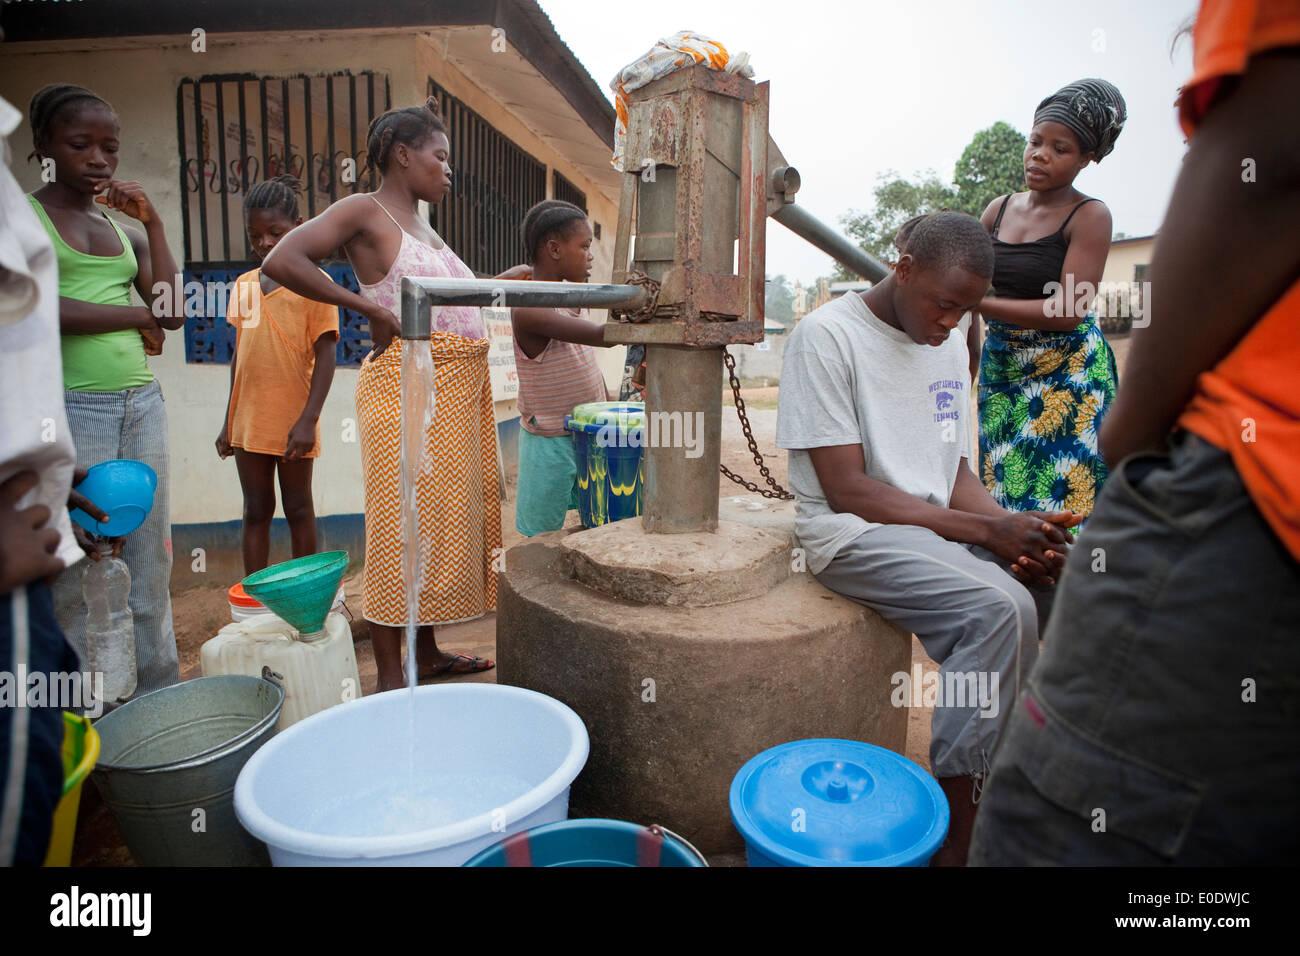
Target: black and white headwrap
1092	109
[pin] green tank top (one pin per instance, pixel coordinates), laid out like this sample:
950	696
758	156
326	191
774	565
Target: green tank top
109	361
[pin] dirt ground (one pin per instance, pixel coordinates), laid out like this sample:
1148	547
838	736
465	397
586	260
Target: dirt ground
200	612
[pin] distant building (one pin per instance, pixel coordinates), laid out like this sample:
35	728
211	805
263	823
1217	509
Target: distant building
1123	289
761	362
823	294
214	98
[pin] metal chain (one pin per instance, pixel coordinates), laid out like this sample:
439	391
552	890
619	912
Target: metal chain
777	491
647	311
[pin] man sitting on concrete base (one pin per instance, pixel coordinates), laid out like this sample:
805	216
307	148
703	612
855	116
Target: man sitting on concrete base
874	408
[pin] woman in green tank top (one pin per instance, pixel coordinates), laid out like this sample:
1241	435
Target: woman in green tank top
114	405
106	361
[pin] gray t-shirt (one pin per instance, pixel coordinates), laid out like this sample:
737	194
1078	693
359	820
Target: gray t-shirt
847	377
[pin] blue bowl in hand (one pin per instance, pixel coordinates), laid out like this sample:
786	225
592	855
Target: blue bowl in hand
124	490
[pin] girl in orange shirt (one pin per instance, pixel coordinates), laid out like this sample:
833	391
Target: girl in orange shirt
279	378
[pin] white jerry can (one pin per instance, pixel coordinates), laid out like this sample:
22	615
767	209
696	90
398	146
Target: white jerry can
319	670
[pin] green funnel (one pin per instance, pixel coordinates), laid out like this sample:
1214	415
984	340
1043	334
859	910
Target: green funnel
300	591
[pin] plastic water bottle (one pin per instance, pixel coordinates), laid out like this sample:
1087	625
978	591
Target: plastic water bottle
110	628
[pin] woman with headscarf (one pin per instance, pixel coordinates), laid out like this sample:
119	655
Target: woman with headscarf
1047	375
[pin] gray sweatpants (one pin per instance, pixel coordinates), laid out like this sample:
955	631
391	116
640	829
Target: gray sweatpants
974	619
128	424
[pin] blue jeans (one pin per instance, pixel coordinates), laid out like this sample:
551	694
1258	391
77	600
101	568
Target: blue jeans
128	424
1162	722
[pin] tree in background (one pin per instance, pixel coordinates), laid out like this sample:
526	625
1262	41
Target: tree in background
897	200
992	165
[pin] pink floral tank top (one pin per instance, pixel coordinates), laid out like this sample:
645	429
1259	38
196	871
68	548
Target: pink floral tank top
418	258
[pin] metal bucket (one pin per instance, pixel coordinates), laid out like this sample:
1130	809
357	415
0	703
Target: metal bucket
168	765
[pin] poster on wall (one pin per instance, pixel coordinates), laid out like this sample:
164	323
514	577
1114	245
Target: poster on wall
501	355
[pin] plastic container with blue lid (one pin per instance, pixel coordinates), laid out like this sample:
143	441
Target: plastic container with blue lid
608	439
828	802
593	416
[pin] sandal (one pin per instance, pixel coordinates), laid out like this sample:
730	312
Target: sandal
460	664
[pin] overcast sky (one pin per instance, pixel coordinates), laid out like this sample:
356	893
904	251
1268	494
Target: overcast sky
859	88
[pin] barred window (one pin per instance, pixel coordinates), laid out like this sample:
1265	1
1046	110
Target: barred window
561	188
494	183
236	130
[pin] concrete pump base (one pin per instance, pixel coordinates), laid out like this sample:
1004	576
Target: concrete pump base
676	698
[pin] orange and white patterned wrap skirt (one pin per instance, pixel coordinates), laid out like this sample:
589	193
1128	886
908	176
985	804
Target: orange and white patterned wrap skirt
459	503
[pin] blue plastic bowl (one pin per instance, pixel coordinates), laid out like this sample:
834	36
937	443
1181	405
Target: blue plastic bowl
590	842
124	490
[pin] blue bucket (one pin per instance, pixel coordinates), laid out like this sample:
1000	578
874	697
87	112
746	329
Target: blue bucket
607	449
829	802
591	843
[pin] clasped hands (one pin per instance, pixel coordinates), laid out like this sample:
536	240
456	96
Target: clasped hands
1035	543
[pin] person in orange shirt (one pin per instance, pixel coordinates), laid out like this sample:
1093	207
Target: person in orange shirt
279	377
1160	725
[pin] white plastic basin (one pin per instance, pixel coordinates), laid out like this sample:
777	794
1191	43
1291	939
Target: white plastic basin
335	789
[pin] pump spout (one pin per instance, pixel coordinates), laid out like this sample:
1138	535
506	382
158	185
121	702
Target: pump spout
420	294
807	226
782	183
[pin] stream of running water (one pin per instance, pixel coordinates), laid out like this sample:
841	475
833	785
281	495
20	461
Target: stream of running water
419	404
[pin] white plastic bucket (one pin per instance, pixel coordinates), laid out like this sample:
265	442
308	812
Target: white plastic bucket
490	760
239	613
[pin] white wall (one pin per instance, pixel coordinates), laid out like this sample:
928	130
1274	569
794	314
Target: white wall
756	362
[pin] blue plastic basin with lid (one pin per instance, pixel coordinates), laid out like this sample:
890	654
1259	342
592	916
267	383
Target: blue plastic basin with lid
828	802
